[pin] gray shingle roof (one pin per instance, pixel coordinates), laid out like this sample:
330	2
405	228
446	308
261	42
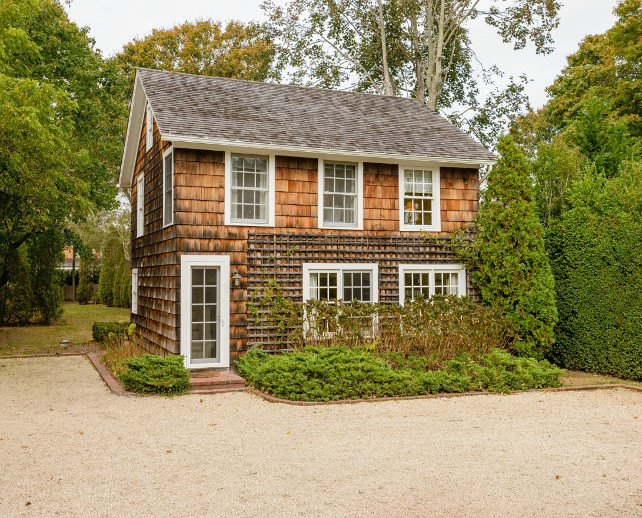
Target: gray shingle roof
202	107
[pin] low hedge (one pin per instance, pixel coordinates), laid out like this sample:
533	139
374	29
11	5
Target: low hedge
156	374
333	373
100	330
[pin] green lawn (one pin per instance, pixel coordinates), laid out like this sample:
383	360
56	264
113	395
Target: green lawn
576	378
75	325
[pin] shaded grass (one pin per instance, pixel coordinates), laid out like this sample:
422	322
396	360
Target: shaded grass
117	351
75	325
572	378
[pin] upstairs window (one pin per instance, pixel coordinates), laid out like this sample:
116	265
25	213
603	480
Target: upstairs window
426	280
149	125
168	187
340	203
140	205
249	190
419	199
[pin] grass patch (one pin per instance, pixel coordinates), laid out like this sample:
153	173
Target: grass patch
333	373
75	325
572	378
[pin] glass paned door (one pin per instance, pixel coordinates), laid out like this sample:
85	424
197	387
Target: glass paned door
205	315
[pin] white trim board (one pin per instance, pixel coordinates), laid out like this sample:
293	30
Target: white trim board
223	262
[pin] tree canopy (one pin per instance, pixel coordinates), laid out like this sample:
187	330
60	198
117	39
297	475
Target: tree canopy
61	123
204	47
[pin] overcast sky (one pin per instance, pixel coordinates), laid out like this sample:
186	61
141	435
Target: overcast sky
113	23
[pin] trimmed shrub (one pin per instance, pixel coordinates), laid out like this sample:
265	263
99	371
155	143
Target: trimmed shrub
597	260
101	330
333	373
156	374
85	289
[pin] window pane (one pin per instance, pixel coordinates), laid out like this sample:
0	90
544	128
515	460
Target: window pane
197	294
249	200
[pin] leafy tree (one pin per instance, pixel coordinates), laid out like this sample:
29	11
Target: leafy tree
85	290
203	47
510	265
61	122
606	66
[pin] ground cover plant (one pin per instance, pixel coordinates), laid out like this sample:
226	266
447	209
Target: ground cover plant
155	374
334	373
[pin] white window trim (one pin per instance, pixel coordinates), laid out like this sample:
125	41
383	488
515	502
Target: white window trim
223	262
149	127
140	205
168	152
431	268
320	187
135	291
271	191
339	267
436	216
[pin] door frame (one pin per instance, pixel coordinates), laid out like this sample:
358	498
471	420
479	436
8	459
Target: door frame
223	262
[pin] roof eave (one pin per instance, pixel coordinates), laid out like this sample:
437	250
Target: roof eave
134	127
182	141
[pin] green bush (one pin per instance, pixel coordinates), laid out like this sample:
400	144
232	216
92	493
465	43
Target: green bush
597	260
156	374
333	373
101	330
509	261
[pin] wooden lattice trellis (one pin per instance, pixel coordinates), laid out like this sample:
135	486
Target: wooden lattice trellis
281	256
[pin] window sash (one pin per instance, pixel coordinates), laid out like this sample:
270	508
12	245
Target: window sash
250	186
418	197
430	281
332	284
149	134
134	290
168	188
340	194
140	205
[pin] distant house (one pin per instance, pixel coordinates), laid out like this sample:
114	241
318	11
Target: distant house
338	187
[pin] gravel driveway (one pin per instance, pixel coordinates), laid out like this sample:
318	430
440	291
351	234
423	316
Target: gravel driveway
69	447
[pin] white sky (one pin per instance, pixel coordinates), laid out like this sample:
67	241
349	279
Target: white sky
113	23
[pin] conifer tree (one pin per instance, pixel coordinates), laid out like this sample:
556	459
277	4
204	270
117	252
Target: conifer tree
512	270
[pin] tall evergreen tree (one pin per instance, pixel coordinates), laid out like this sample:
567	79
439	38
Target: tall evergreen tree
512	269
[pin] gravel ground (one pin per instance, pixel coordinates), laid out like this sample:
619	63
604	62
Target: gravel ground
68	447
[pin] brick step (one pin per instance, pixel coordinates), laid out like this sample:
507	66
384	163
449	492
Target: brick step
218	390
224	380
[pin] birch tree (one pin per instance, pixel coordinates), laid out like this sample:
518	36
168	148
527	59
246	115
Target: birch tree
413	48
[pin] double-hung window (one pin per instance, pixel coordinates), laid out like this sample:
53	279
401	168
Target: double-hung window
134	290
249	189
347	282
149	126
340	194
168	187
426	280
140	205
419	198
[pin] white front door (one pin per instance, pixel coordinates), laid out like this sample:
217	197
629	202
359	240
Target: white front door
205	310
